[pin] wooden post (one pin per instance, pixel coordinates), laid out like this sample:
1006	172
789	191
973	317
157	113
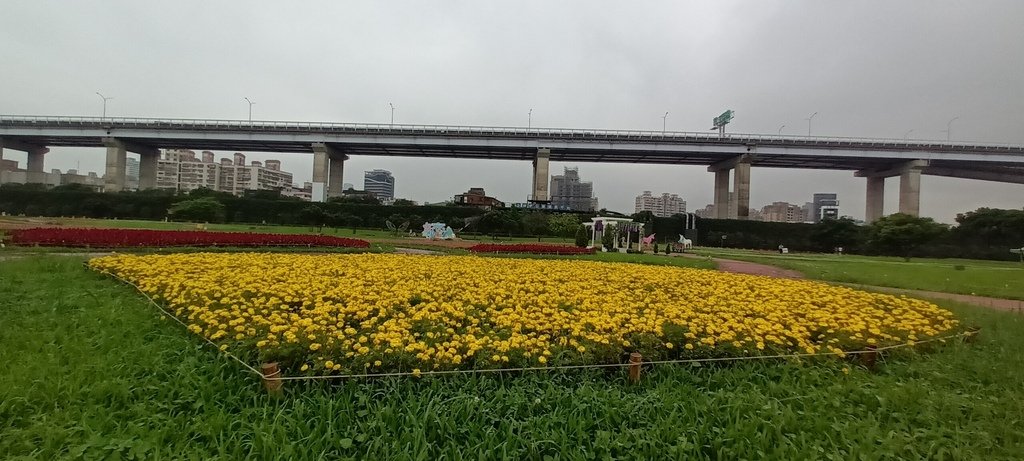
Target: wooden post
869	358
635	359
972	334
271	379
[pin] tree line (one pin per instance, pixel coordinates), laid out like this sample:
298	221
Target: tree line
984	233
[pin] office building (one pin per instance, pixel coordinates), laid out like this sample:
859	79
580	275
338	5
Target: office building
824	206
380	183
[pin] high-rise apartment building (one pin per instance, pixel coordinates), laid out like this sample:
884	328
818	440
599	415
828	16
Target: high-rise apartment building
568	191
380	183
131	168
181	170
663	206
782	212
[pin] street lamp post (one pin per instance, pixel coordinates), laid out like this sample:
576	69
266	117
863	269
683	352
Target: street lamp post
780	129
105	98
664	119
907	134
392	113
250	107
949	127
809	123
529	120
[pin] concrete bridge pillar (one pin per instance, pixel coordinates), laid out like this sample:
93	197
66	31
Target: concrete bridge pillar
35	157
335	175
328	168
722	194
741	190
910	191
875	199
147	170
117	159
539	192
910	188
735	205
34	165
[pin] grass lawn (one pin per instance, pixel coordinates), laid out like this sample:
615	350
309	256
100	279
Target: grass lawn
1000	279
91	371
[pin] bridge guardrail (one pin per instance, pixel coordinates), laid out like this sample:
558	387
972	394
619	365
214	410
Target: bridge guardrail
470	130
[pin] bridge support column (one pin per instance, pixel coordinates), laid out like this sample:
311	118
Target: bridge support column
734	205
875	199
321	160
910	188
541	169
34	165
741	187
722	194
117	159
335	175
910	191
147	171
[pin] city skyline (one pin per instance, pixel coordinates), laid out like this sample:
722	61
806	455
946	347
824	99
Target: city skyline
875	79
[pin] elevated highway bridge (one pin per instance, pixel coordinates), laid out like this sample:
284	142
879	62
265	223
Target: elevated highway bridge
331	143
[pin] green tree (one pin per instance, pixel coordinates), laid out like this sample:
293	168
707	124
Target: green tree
403	202
536	223
313	216
564	224
900	234
582	236
206	209
831	233
499	222
608	237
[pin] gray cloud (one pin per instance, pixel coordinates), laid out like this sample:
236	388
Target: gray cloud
873	69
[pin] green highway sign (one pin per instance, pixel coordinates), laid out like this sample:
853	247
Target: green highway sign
723	119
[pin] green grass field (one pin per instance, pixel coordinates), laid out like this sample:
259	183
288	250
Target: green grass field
1000	279
92	372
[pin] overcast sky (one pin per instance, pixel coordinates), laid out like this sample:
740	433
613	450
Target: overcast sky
876	69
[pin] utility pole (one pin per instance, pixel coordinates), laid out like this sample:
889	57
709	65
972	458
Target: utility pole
809	123
664	119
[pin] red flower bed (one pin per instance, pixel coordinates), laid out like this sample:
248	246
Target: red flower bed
118	238
530	248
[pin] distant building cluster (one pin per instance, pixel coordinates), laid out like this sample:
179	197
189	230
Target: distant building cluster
569	192
181	170
662	206
822	206
11	173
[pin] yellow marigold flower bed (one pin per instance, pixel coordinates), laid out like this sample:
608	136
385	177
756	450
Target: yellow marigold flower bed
362	313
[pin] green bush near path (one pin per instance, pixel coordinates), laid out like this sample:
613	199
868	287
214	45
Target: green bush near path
999	279
92	372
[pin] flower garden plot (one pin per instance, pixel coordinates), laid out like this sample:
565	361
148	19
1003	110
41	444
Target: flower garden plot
375	313
530	248
125	238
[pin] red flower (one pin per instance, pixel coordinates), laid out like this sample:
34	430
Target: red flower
119	238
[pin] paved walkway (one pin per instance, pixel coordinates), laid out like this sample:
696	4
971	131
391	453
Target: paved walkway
744	267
